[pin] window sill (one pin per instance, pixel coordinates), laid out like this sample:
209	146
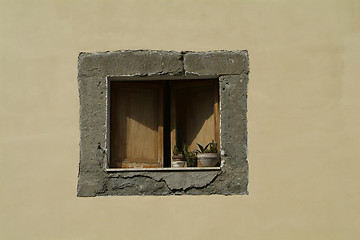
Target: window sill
183	169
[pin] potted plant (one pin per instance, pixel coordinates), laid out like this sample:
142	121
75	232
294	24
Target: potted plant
190	157
178	158
208	155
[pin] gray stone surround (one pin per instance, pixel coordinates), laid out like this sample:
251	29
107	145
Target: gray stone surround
230	67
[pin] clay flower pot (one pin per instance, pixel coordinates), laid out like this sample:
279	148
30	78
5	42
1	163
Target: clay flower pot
208	159
178	161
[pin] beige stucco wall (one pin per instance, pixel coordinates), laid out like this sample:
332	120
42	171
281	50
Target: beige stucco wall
304	115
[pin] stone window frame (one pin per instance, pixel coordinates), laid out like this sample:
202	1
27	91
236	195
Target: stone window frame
94	72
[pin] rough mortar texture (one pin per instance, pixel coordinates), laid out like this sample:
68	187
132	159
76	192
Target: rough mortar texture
230	67
216	63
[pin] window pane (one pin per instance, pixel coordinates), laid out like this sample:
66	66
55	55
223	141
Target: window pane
136	125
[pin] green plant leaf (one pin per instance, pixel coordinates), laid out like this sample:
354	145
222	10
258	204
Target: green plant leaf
201	148
207	146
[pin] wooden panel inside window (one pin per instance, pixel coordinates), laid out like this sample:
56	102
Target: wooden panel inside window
136	125
194	113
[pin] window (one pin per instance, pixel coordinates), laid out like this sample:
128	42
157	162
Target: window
148	118
135	105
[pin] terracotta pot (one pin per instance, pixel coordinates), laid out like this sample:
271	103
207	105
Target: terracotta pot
209	159
178	161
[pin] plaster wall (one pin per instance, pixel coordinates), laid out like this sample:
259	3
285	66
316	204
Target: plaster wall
303	118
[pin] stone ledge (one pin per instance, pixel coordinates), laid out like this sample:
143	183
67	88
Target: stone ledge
216	62
131	63
179	169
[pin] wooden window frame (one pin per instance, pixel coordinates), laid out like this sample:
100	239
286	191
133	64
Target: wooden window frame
212	83
128	86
